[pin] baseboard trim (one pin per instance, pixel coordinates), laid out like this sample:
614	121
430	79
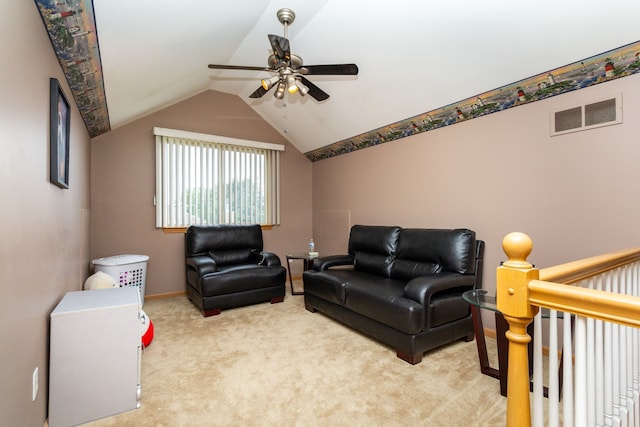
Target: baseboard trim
167	295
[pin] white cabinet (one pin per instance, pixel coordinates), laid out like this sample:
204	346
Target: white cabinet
95	347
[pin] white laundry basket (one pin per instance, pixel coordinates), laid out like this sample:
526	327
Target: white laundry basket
127	270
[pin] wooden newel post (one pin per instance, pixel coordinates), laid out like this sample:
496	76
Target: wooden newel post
512	298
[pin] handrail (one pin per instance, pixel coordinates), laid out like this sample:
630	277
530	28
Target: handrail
601	305
521	289
575	271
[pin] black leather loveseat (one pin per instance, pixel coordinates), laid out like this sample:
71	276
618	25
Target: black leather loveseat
403	286
226	267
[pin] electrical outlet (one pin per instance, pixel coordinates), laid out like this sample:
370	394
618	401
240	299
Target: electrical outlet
34	388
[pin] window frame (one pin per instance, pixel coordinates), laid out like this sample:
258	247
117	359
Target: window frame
273	176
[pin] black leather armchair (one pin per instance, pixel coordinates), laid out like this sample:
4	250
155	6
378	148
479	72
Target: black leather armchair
226	267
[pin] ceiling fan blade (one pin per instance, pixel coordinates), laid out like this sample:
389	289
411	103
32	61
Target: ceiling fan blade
238	67
258	92
334	69
315	92
280	47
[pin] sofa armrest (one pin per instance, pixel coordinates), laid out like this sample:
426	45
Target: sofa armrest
202	264
422	289
270	259
327	262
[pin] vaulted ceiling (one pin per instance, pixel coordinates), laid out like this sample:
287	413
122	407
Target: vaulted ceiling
413	56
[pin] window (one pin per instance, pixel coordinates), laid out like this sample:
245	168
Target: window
207	179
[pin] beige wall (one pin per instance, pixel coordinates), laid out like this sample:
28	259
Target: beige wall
123	185
576	195
44	245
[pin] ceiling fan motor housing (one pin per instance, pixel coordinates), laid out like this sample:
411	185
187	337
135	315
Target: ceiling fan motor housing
286	16
296	62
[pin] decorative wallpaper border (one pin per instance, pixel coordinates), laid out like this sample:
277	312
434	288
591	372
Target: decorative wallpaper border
72	31
613	64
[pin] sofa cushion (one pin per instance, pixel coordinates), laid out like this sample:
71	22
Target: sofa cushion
235	256
367	262
447	308
241	278
201	239
381	299
428	251
407	269
373	248
328	285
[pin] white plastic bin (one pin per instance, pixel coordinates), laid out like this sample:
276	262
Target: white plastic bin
127	270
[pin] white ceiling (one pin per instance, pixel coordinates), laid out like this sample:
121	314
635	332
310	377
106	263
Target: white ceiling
413	56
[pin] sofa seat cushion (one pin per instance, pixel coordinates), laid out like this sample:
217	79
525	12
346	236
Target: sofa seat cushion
240	278
328	285
382	299
446	308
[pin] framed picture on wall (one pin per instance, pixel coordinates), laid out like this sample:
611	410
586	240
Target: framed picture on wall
59	122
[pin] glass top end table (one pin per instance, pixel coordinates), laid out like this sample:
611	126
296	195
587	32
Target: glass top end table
307	259
478	299
481	299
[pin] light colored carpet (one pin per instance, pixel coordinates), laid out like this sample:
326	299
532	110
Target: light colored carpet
280	365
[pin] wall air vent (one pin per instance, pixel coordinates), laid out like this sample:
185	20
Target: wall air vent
605	112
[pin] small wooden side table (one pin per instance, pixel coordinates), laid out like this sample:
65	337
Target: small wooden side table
307	265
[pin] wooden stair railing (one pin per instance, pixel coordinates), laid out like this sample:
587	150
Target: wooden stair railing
521	289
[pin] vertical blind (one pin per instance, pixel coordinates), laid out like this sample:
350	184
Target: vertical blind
208	179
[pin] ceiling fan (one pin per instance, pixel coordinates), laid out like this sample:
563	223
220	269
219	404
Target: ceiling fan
288	69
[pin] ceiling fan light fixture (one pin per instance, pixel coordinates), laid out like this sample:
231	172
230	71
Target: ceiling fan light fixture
268	83
292	87
302	88
279	93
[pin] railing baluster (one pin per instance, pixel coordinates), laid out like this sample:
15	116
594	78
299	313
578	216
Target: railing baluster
538	408
599	361
591	391
635	343
567	372
580	344
599	373
554	386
